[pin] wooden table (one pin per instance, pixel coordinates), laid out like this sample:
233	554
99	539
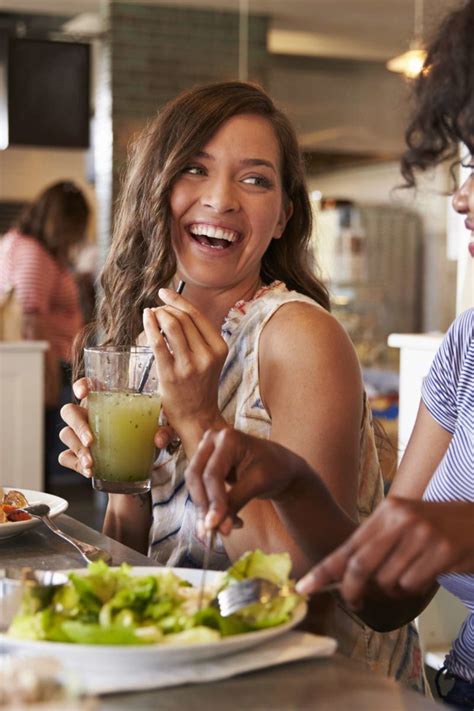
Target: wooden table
326	684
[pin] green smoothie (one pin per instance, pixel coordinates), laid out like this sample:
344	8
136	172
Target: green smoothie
123	425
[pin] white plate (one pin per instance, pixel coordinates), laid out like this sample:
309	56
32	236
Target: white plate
55	503
130	660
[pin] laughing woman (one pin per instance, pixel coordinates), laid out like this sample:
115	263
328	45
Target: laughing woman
216	196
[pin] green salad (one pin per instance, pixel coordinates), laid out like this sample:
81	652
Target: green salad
112	606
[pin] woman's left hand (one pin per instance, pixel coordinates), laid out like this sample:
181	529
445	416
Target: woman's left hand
189	369
400	550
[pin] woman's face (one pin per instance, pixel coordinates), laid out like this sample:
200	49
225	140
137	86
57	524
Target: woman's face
463	202
228	205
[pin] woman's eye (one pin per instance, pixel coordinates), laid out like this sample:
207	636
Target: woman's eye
258	180
195	170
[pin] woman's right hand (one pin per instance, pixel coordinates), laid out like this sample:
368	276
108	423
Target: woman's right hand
230	468
77	435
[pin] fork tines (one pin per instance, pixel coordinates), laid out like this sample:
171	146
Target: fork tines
244	593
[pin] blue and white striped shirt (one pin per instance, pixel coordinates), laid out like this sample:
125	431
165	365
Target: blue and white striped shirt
448	393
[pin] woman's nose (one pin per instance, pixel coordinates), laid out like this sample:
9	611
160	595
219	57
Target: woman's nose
221	196
464	197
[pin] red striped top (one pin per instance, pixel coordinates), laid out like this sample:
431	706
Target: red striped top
42	287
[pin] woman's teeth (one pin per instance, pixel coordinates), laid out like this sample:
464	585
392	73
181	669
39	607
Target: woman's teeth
217	237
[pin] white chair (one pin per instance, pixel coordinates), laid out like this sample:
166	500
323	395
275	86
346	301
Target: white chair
438	625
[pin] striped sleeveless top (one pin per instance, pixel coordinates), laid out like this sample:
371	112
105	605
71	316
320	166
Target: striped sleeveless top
173	538
448	393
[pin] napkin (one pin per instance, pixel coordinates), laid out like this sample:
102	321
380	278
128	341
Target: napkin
290	647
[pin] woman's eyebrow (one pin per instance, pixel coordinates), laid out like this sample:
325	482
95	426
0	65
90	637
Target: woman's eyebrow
257	162
245	161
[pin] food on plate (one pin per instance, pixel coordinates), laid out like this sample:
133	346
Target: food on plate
113	606
10	502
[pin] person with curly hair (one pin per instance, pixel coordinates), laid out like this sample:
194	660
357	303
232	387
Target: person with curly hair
216	196
422	535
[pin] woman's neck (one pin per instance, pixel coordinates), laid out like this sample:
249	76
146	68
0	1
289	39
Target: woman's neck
215	303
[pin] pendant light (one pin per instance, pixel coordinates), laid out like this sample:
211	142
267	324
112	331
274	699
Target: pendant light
411	63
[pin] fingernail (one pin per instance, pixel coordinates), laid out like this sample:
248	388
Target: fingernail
200	528
85	439
211	520
226	526
85	463
303	586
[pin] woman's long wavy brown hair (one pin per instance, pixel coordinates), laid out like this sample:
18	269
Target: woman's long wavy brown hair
444	97
141	258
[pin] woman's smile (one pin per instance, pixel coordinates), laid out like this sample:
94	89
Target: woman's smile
212	236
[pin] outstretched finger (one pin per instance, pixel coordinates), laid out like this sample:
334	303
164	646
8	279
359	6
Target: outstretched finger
194	472
331	569
68	459
76	417
74	444
164	436
81	388
203	325
206	476
421	574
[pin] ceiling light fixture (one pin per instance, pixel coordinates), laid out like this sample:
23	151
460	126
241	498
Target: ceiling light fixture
410	63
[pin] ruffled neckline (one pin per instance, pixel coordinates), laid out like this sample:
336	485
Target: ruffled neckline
240	308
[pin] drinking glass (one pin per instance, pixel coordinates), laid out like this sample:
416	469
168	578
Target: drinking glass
123	416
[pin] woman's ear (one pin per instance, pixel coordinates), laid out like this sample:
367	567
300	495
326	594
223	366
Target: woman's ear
285	214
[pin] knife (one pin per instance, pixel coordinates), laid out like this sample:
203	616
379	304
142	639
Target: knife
210	539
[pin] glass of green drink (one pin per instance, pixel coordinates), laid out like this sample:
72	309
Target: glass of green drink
123	418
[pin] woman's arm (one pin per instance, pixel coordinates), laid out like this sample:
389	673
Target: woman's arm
311	386
406	543
387	566
128	520
230	469
399	552
426	448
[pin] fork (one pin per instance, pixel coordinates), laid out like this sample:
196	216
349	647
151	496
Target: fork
89	552
253	590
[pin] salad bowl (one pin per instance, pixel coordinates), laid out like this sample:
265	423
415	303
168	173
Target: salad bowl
95	661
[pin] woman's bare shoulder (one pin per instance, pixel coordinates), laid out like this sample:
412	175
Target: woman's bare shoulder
299	324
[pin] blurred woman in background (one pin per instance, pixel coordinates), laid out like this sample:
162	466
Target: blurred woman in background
35	262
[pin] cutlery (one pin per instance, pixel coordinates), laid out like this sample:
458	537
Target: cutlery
146	370
205	565
89	552
253	590
12	586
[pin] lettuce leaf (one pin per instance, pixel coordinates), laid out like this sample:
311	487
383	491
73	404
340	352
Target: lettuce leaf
275	567
112	606
256	564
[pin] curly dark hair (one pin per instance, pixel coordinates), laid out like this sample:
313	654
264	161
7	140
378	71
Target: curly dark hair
141	258
444	97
